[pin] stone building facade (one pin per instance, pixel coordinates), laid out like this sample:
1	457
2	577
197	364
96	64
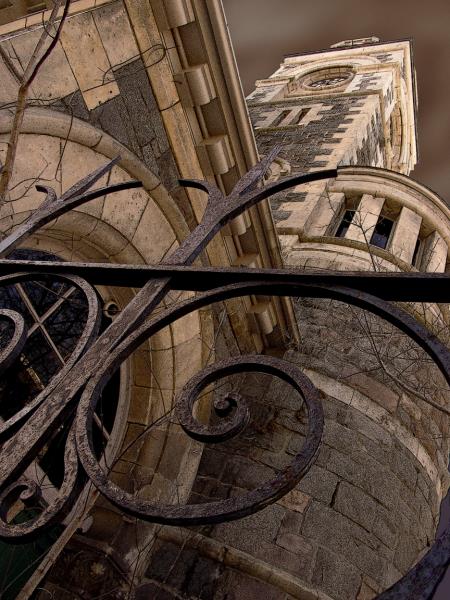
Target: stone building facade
155	83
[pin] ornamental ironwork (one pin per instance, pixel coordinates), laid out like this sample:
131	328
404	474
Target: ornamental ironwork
70	397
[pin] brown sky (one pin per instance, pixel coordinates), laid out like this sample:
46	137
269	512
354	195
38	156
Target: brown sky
264	30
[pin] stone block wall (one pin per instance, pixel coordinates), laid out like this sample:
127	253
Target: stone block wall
335	131
106	84
368	507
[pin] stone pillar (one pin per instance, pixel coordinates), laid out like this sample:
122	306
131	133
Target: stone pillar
434	253
405	234
365	219
328	207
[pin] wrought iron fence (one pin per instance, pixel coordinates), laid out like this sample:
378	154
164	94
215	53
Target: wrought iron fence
71	395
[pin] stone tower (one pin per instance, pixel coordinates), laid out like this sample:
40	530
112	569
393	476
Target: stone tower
368	508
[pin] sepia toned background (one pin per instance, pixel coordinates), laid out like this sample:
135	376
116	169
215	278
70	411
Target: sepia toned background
264	31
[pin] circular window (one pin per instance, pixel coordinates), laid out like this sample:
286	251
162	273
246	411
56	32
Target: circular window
325	79
55	314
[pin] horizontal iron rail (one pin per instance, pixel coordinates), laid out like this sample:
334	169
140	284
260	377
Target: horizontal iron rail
401	287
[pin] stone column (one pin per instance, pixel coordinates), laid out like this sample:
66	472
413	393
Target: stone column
434	253
365	219
405	235
327	209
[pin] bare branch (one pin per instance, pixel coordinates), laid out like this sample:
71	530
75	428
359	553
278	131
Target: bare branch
36	61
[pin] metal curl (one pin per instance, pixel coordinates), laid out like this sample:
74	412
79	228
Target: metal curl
25	490
56	407
14	347
426	573
231	425
214	512
50	513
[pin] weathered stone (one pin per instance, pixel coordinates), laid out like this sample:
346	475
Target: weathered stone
319	483
373	389
335	575
342	438
291	523
212	463
116	33
339	534
249	533
385	528
295	500
368	427
97	84
274	460
245	473
355	504
366	592
238	586
301	547
286	560
407	552
346	468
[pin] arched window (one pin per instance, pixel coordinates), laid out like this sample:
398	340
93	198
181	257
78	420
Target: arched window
55	313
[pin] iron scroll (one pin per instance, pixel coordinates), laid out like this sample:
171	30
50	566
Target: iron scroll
72	397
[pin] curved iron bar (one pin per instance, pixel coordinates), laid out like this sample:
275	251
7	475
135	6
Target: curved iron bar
89	334
49	514
17	452
14	347
426	574
114	345
214	512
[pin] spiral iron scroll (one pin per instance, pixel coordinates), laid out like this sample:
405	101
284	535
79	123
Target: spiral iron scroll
96	358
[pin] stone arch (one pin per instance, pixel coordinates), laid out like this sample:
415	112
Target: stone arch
136	226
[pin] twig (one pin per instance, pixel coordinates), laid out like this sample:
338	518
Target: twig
31	71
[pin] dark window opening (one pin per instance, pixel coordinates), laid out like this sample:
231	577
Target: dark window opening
19	561
381	233
301	115
416	254
345	223
278	120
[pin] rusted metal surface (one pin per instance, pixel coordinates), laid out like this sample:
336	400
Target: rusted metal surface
13	347
214	512
72	395
398	287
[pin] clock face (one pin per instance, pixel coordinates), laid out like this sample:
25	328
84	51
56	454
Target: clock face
327	82
326	79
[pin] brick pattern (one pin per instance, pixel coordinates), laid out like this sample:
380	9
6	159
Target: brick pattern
302	145
384	57
320	140
373	143
368	81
